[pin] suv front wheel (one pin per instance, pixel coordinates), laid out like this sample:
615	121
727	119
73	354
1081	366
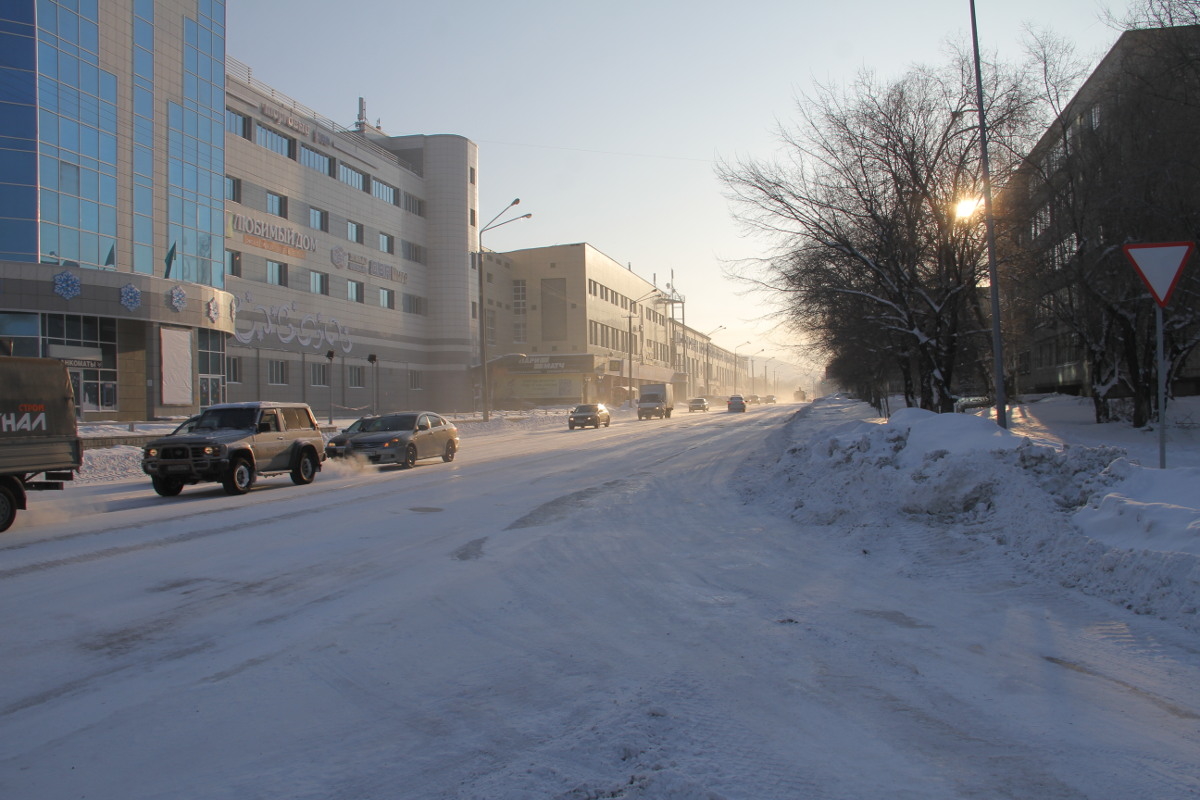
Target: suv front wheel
240	477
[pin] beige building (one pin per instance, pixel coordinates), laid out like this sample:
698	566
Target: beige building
567	324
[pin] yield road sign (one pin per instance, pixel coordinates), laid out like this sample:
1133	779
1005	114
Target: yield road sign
1160	266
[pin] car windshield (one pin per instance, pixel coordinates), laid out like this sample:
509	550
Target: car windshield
358	424
218	418
584	408
393	422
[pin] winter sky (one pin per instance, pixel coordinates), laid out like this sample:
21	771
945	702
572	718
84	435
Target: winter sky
607	119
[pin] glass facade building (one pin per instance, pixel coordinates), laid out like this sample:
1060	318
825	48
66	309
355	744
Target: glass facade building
93	268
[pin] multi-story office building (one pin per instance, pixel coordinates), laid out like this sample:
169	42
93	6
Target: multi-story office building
348	253
179	239
111	209
576	325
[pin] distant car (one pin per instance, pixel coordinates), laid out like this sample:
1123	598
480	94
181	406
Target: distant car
595	414
769	399
751	399
697	404
403	437
736	403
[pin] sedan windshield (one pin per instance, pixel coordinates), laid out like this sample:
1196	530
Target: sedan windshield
584	409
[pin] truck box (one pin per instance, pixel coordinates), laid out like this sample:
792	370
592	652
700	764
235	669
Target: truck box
38	435
656	400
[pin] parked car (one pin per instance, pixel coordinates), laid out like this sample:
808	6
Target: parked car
736	403
697	404
595	414
234	443
403	438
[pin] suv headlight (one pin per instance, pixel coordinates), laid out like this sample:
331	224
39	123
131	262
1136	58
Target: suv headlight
151	452
211	450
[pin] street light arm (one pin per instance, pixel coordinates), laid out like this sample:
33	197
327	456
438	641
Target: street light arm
493	224
516	201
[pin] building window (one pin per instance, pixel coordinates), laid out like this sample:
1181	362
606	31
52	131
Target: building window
416	380
352	177
387	298
472	218
318	373
318	219
277	273
277	205
237	124
471	179
354	231
382	191
315	159
233	263
356	376
489	321
355	291
273	141
277	372
387	243
412	252
233	189
413	204
413	304
233	369
318	282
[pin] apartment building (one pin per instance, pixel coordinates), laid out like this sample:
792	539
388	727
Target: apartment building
1117	166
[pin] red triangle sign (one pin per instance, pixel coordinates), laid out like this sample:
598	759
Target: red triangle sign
1160	266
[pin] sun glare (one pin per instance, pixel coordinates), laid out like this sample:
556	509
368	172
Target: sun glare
967	207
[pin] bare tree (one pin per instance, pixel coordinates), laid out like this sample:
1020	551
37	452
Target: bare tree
870	252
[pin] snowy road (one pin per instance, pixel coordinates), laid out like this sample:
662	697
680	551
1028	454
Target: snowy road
587	614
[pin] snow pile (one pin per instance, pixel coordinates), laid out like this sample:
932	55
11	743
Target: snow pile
1088	517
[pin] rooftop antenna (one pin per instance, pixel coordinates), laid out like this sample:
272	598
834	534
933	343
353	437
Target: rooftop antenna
361	123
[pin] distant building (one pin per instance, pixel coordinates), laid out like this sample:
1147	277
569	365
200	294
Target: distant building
579	326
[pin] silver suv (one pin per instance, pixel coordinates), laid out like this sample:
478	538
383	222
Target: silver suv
234	443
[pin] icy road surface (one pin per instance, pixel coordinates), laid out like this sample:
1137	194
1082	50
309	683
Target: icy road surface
574	615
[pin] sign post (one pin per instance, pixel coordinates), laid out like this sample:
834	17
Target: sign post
1160	266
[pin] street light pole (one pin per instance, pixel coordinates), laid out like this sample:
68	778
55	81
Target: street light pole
708	359
735	364
483	376
997	343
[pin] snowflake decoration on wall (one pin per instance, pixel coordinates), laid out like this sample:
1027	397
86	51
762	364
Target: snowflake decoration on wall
213	310
66	285
131	297
178	298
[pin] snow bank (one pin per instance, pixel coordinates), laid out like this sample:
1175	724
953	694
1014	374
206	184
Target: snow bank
1087	517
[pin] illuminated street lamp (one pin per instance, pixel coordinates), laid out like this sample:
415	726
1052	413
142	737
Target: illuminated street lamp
483	362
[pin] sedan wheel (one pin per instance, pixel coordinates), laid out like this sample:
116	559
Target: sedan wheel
451	450
410	457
